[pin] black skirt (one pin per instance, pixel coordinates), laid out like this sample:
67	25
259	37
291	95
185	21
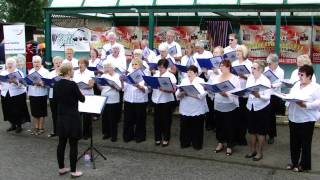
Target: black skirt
15	109
258	121
38	106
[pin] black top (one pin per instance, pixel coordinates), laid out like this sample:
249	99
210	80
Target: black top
67	94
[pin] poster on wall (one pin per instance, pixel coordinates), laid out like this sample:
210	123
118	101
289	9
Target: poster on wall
14	39
78	38
260	40
316	45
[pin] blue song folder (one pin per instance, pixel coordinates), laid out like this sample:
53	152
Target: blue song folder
83	85
34	77
172	51
157	82
50	82
135	77
232	56
248	90
209	63
182	68
224	86
271	76
153	66
241	69
106	82
190	90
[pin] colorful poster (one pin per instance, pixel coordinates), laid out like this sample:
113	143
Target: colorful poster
77	38
295	40
14	39
316	45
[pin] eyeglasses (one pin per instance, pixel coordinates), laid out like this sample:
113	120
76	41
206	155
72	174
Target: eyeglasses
231	39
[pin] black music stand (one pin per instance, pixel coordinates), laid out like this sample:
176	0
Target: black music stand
92	105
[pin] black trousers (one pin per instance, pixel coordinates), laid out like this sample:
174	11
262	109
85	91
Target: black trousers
134	125
87	124
241	122
226	125
73	143
275	106
110	119
300	143
210	122
162	121
53	107
191	131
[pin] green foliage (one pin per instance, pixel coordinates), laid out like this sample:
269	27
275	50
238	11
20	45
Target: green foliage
3	10
26	11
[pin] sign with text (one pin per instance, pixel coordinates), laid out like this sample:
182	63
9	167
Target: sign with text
14	39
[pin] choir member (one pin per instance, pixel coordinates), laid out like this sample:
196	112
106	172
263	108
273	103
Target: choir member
173	47
192	111
226	109
233	43
107	48
13	98
69	58
147	55
38	95
301	60
112	110
57	60
258	106
188	60
69	127
302	117
135	103
163	106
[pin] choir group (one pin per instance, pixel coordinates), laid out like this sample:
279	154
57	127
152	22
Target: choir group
221	90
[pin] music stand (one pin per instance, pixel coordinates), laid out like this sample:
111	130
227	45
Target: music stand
92	105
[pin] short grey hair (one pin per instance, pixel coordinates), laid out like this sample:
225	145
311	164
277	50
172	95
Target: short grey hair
199	44
36	58
11	60
57	58
273	58
163	47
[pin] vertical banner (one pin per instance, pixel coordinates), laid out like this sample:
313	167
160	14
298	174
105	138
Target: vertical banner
316	45
295	41
14	39
15	44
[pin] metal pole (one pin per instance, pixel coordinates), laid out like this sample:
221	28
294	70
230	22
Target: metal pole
47	33
278	30
151	29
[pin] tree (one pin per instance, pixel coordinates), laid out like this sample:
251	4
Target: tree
27	11
3	11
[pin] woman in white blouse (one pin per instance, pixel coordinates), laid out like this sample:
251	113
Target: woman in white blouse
135	102
192	110
85	76
188	60
94	61
226	109
242	126
258	106
38	95
303	59
53	105
13	98
112	110
302	117
277	105
163	106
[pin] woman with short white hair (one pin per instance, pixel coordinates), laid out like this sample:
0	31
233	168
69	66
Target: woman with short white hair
13	98
303	59
38	95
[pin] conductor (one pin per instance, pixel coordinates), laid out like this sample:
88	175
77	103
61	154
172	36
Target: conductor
67	94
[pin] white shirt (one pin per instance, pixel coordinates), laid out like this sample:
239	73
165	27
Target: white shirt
295	76
191	106
119	62
229	103
178	47
248	64
276	84
159	57
94	63
146	70
84	76
133	95
230	49
12	88
52	75
151	55
188	61
311	95
211	75
37	90
204	55
111	93
264	100
160	96
74	62
108	47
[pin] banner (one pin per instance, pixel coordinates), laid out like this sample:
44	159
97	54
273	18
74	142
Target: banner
316	45
14	39
77	38
260	40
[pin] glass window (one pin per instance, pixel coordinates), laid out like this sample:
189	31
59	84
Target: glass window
216	1
207	14
135	2
303	1
99	3
181	14
244	13
66	3
174	2
261	1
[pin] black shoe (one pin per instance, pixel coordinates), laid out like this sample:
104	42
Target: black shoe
270	140
12	128
105	137
18	130
257	158
251	155
52	135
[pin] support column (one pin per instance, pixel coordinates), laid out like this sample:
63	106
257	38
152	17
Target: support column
278	33
151	29
47	33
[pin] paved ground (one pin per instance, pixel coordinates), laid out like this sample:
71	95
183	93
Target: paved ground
29	157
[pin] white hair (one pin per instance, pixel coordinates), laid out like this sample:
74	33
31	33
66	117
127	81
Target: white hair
116	46
138	51
36	58
57	58
111	33
163	47
199	44
11	60
106	63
